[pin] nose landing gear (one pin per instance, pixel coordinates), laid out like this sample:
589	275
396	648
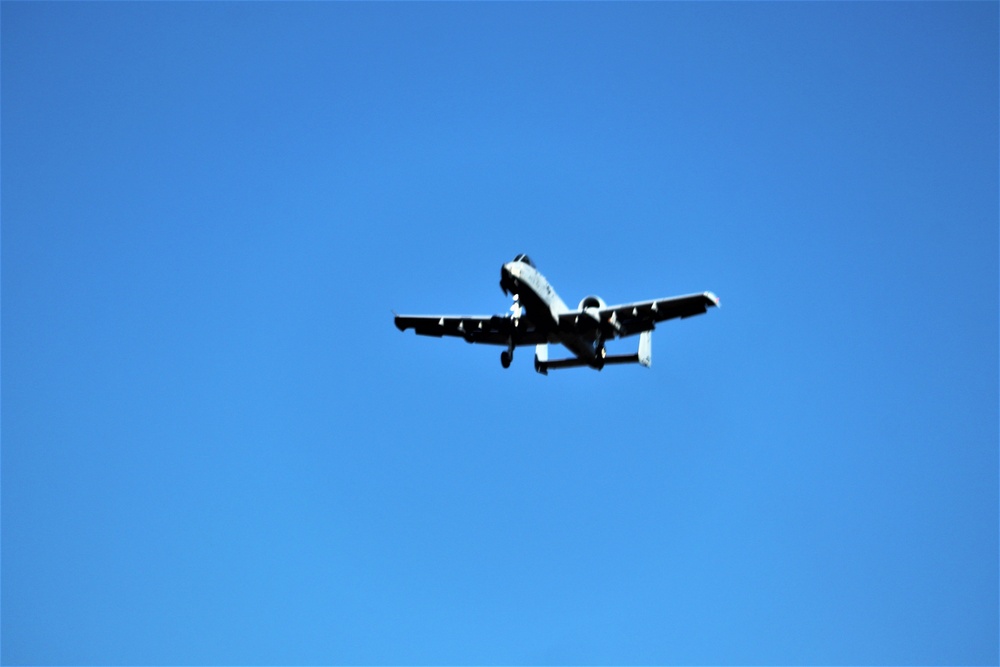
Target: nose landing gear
516	311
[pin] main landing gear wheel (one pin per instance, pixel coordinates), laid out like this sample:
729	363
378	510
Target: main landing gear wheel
600	354
505	358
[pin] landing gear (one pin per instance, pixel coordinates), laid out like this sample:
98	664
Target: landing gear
515	316
507	355
600	353
517	309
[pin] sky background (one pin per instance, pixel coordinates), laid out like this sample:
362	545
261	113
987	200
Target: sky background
217	448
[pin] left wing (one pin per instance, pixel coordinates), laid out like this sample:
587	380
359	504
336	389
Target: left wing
632	318
492	329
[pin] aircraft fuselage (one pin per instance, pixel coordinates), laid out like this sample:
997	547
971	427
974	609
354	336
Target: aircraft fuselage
544	306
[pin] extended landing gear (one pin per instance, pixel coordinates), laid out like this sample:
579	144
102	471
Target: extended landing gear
600	354
507	355
515	315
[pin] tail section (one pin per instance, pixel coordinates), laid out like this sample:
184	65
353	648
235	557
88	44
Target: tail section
643	357
542	358
646	348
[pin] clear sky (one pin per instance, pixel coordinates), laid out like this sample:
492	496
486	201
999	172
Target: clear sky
217	448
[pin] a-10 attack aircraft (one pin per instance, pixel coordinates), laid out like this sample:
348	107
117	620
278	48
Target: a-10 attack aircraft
539	317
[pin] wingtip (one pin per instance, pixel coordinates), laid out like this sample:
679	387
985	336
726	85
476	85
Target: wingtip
714	299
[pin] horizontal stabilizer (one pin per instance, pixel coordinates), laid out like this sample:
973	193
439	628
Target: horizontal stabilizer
622	359
572	362
544	366
643	357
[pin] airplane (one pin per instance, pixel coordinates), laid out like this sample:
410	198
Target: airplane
539	317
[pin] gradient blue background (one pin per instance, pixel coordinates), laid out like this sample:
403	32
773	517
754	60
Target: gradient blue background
217	449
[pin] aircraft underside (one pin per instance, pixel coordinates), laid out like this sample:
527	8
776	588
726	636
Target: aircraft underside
539	317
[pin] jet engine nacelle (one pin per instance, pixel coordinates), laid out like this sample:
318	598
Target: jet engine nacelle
592	302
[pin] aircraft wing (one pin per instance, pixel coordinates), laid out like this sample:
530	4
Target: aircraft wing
632	318
492	329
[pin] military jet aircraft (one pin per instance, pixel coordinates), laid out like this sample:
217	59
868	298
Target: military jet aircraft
539	317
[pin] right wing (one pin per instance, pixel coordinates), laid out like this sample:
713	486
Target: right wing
631	318
492	329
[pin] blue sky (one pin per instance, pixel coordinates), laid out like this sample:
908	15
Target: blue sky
216	448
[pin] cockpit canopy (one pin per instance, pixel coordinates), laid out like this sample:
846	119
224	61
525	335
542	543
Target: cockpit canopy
525	259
